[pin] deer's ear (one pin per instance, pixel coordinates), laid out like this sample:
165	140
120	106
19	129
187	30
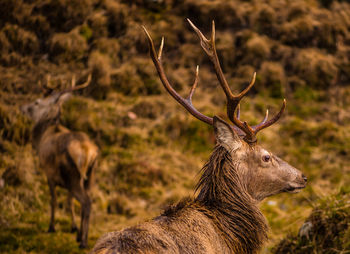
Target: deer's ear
225	136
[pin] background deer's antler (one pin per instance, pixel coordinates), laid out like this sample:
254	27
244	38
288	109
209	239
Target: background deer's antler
73	87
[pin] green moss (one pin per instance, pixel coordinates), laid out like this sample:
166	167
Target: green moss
324	133
197	136
129	140
306	93
22	239
146	109
191	135
86	32
325	231
102	130
137	177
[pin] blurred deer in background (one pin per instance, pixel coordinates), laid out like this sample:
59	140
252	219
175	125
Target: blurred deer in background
224	217
67	158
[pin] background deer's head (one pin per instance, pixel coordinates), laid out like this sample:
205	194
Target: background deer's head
49	107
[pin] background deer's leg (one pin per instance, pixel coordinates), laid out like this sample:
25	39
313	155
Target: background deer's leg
82	196
85	217
53	205
74	227
88	183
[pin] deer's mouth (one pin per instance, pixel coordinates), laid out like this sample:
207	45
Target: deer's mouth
292	189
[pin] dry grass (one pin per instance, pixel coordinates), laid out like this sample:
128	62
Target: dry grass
298	48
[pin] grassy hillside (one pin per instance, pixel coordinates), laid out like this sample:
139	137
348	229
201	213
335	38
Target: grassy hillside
151	149
326	230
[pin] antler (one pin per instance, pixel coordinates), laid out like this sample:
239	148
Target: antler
50	88
234	100
73	87
47	87
185	102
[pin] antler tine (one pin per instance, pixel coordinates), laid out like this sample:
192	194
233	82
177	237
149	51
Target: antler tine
251	131
194	86
74	87
87	82
232	100
47	87
246	90
73	81
210	49
186	103
264	124
263	121
238	112
48	81
161	49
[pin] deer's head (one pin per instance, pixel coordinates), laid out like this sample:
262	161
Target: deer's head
49	106
262	173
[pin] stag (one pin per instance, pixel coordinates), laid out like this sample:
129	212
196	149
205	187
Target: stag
224	216
68	158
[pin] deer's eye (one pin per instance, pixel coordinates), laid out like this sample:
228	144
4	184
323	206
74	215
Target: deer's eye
266	158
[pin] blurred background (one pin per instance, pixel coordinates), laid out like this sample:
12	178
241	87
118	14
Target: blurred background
151	149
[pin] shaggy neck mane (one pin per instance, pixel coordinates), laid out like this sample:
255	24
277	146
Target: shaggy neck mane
40	128
223	193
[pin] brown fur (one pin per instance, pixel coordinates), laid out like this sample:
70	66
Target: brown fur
223	218
67	158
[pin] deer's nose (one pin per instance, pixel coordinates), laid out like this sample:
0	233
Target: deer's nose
304	177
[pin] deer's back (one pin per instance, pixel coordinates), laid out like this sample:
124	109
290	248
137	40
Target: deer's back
186	232
64	150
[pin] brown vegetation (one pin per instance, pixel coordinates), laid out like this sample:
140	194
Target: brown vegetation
325	231
313	75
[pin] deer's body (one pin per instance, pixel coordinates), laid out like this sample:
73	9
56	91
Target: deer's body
224	216
59	148
184	229
206	224
67	158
